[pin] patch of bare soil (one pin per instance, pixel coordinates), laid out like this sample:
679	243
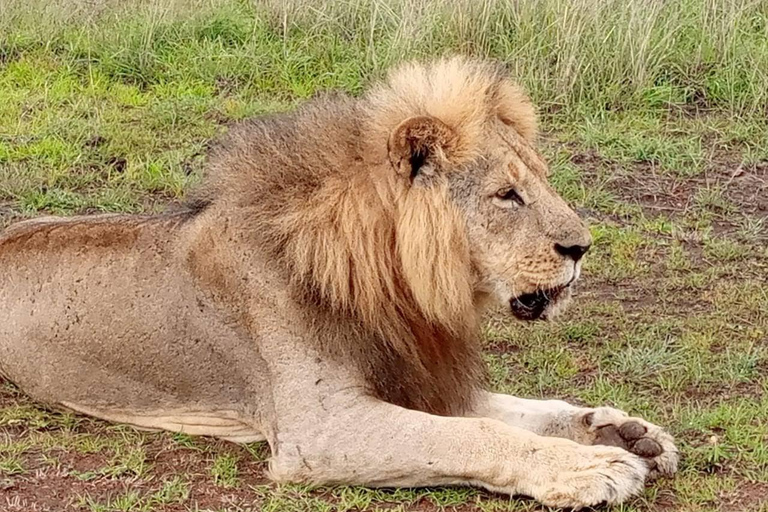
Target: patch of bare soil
643	295
745	187
66	479
56	479
748	496
744	193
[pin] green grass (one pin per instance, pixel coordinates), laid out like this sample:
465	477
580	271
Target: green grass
224	471
10	465
655	124
173	491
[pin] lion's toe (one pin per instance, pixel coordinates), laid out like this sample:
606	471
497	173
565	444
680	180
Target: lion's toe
646	440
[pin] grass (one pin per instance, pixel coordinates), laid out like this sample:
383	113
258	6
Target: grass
173	491
224	471
654	117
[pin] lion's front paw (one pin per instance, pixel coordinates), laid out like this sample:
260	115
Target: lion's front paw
593	475
612	427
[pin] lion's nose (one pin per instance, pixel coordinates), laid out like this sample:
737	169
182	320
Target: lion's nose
572	251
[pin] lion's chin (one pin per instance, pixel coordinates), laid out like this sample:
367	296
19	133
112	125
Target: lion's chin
542	304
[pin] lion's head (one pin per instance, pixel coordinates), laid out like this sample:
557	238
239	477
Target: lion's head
461	136
423	199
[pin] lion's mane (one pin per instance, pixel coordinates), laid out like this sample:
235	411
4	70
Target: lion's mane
382	267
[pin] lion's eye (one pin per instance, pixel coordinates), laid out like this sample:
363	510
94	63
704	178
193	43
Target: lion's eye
510	194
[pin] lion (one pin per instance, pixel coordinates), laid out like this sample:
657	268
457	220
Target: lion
322	290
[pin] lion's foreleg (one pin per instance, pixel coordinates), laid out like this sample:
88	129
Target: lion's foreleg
368	442
554	418
585	425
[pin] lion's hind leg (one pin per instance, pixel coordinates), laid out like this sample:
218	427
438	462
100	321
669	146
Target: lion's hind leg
222	424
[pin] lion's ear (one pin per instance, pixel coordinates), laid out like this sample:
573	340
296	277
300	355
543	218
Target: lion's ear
420	145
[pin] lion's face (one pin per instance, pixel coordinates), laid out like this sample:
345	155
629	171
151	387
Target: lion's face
525	242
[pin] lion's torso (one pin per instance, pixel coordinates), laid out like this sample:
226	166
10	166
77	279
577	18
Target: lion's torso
162	322
104	316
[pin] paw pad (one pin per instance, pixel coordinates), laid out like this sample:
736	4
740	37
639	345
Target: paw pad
647	448
629	436
632	430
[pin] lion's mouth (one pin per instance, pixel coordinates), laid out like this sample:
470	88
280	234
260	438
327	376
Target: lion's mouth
533	306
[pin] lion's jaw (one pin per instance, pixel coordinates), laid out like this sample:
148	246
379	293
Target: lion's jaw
543	304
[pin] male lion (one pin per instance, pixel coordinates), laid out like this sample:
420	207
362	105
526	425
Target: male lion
322	292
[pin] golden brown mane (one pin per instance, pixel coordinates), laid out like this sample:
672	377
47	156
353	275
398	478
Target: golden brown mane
356	237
